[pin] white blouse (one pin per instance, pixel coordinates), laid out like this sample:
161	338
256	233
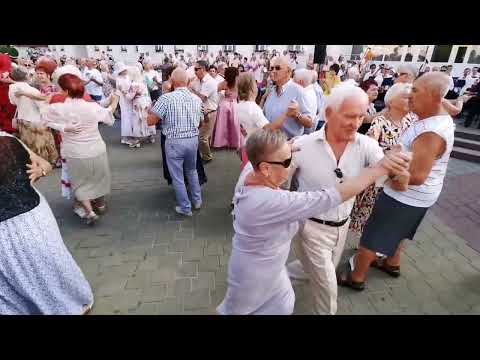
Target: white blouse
28	109
88	143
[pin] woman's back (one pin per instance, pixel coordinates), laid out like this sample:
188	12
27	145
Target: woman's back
17	196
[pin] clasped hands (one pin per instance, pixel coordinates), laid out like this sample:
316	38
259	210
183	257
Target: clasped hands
396	163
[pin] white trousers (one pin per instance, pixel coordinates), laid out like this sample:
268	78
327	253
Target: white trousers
319	249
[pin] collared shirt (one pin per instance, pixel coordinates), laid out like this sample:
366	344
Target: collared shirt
92	87
207	87
276	105
315	164
180	112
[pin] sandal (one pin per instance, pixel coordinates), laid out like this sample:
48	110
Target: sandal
381	264
91	218
344	278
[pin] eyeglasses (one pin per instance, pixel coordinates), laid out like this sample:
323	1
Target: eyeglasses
339	174
277	67
286	163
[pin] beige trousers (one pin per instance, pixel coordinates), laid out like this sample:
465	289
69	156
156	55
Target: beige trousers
319	248
205	136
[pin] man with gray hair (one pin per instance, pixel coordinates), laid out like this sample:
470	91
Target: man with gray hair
180	113
397	214
287	97
304	78
338	152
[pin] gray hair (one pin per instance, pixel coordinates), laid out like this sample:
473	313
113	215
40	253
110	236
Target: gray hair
303	75
262	143
19	74
341	93
221	65
437	82
409	69
179	76
397	90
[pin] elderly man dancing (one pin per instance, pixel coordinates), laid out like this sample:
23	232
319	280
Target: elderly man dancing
328	157
397	215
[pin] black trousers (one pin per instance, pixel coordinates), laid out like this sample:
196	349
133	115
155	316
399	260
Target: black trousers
202	177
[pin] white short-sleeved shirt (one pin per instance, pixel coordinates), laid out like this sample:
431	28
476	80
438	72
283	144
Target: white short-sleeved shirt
250	116
92	88
207	87
315	164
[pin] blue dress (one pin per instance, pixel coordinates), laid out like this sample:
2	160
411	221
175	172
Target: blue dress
37	272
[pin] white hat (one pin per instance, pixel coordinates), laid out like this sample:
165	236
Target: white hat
119	68
66	69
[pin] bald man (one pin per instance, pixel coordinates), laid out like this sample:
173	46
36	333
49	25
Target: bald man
397	214
180	112
287	97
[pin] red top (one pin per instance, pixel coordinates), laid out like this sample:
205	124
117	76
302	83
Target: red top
7	110
60	98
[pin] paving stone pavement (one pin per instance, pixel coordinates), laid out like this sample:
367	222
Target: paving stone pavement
142	258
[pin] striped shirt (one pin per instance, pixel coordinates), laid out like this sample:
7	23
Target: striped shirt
426	195
180	112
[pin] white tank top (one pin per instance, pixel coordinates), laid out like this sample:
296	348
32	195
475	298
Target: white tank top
426	195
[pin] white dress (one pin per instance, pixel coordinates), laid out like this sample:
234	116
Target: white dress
129	118
265	221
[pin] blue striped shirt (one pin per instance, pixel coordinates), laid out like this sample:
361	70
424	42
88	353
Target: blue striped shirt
180	112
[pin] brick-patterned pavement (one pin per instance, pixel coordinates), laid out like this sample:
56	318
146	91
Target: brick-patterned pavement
141	258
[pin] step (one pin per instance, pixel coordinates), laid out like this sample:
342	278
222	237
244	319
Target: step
468	134
466	154
467	144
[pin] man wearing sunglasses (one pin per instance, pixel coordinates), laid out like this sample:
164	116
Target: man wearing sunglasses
287	97
205	87
326	158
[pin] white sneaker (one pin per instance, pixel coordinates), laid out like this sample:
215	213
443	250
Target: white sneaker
197	206
92	218
80	211
178	209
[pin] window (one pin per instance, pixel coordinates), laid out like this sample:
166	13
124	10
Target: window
441	53
123	48
96	48
62	48
474	57
158	48
261	48
137	48
295	48
409	54
109	48
202	47
395	54
460	54
178	48
54	48
356	52
422	54
229	48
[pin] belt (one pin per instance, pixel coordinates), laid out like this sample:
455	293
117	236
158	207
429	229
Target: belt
330	223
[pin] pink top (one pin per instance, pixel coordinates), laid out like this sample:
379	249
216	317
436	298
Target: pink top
88	142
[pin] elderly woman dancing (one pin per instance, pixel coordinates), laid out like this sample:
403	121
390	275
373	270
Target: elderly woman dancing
266	219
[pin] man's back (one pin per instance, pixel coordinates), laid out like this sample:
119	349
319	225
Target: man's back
180	112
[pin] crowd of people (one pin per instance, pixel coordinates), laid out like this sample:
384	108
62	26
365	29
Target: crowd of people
322	149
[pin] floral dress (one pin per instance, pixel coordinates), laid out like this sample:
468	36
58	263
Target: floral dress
387	134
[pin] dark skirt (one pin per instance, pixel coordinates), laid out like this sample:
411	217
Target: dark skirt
202	177
390	222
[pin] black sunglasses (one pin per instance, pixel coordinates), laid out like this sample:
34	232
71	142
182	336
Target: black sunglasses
286	163
277	67
339	173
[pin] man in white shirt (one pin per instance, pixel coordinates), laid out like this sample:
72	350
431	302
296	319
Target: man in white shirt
470	79
327	157
94	80
372	73
304	78
206	88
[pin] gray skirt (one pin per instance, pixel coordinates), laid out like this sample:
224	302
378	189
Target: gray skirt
90	178
390	222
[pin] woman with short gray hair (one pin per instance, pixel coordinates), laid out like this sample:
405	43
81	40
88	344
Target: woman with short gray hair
265	220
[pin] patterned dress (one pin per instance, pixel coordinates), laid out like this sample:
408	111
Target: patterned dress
387	134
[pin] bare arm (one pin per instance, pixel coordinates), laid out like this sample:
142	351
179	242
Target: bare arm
426	149
453	109
352	187
278	123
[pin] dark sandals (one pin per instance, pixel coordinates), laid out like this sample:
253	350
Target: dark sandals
381	264
344	278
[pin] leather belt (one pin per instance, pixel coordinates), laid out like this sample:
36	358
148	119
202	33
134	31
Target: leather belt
330	223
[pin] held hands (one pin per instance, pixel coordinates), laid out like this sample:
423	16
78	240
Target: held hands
292	110
35	171
396	161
